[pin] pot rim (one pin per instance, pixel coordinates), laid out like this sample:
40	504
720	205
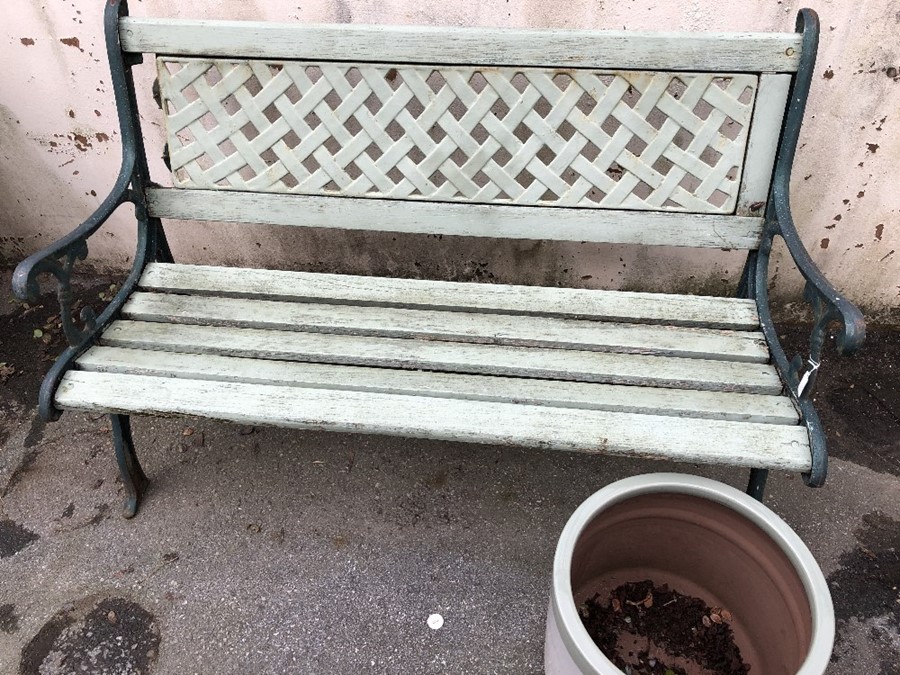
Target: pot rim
587	655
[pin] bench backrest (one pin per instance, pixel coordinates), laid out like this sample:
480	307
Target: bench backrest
570	135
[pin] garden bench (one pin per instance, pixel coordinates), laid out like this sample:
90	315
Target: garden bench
605	137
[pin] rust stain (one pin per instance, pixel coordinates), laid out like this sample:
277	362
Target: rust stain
837	217
71	114
97	113
879	230
27	41
828	74
825	242
101	137
873	147
860	194
72	42
81	141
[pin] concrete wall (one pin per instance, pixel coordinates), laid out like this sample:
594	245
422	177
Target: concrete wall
59	146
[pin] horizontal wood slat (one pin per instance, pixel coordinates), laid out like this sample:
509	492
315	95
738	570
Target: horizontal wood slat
555	48
523	331
554	393
575	303
470	220
561	364
590	431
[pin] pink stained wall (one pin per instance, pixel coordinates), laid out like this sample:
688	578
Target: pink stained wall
59	146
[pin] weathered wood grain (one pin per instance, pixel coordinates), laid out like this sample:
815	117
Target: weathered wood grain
423	324
575	303
768	114
554	393
589	431
558	364
470	220
554	48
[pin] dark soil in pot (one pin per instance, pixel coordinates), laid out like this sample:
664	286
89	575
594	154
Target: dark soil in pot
645	629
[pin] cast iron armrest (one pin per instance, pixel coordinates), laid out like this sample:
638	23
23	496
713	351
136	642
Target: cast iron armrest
59	258
829	307
827	303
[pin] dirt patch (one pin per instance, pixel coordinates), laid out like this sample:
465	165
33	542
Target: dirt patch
112	636
858	398
14	537
32	338
9	621
651	630
866	587
867	583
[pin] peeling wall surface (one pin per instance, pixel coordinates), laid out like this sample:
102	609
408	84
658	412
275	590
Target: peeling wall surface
59	148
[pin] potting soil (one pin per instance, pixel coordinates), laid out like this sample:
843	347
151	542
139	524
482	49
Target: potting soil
647	629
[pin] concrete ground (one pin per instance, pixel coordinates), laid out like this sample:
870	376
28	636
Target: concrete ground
272	551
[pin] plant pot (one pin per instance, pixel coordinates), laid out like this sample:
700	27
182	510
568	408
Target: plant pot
702	539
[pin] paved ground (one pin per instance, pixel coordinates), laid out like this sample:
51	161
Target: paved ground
266	551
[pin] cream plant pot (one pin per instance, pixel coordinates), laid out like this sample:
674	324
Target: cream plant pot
702	538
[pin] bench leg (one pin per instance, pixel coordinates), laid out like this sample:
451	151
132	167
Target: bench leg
757	485
133	477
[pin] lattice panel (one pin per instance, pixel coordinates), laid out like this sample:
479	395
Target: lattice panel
625	139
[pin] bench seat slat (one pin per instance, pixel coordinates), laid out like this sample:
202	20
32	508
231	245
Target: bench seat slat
590	431
460	219
559	364
555	393
575	303
498	329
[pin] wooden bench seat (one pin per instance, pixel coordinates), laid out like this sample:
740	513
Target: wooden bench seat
592	371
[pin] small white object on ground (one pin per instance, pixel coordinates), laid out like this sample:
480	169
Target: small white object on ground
435	621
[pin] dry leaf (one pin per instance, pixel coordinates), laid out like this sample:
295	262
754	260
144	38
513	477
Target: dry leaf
616	605
707	621
726	615
188	431
715	618
648	601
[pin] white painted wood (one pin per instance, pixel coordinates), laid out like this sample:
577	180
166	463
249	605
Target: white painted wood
556	364
574	303
499	329
555	393
511	135
553	48
765	129
472	220
590	431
